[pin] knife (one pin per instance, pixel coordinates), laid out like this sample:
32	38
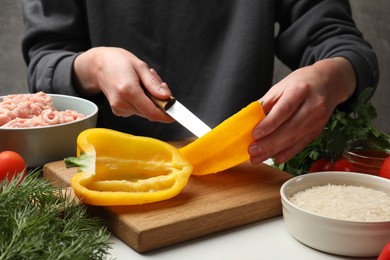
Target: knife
181	114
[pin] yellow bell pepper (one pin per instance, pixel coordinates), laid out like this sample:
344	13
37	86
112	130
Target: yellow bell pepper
227	144
121	169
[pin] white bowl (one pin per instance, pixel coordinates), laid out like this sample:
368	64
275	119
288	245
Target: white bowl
40	145
340	237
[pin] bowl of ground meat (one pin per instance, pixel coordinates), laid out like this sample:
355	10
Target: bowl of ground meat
43	127
341	213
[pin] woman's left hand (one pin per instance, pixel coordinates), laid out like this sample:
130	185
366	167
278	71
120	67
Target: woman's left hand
299	106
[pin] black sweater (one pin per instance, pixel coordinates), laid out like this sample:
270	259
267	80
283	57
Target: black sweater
216	56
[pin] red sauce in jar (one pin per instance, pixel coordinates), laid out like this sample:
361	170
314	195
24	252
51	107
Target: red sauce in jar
366	161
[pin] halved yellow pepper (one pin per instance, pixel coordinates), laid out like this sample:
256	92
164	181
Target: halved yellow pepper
227	144
121	169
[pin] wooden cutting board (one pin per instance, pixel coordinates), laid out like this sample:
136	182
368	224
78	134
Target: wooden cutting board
208	204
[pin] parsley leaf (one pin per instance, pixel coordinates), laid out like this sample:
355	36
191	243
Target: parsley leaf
341	128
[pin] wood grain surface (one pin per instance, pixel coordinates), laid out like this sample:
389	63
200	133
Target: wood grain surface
208	204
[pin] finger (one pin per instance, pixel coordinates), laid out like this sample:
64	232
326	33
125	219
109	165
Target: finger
152	81
291	133
289	139
270	99
155	74
146	108
284	108
291	151
267	147
164	86
259	153
130	99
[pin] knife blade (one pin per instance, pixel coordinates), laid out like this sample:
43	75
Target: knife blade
181	114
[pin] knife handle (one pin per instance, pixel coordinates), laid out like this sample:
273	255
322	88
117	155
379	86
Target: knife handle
163	104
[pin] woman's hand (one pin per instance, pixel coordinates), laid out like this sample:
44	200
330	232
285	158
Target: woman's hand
120	75
299	106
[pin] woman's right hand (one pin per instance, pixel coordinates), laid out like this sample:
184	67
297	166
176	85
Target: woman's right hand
120	75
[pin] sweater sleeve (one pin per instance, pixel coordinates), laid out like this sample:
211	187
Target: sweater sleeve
54	33
311	30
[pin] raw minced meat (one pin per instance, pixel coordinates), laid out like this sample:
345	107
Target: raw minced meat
32	110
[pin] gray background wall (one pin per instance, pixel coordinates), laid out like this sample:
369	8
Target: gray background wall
372	17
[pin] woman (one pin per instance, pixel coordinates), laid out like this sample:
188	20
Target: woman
215	57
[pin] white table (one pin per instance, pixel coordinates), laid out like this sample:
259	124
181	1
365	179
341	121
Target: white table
266	239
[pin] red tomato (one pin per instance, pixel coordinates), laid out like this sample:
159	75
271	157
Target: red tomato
323	165
385	254
11	163
342	165
384	171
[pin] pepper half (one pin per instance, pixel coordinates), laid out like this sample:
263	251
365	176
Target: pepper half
116	168
227	144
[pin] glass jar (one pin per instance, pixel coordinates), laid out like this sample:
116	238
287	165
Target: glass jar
366	155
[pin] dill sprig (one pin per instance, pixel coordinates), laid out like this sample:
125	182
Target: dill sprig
39	221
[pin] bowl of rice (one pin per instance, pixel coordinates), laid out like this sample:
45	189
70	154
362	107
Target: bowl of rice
342	213
43	127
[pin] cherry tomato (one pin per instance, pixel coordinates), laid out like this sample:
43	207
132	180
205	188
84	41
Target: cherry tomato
323	165
342	165
384	171
11	163
385	254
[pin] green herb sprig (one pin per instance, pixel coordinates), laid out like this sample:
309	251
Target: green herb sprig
341	128
39	221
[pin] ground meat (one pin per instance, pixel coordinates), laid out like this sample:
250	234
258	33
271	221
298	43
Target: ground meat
31	110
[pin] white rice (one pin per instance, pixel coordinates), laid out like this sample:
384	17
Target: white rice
351	203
